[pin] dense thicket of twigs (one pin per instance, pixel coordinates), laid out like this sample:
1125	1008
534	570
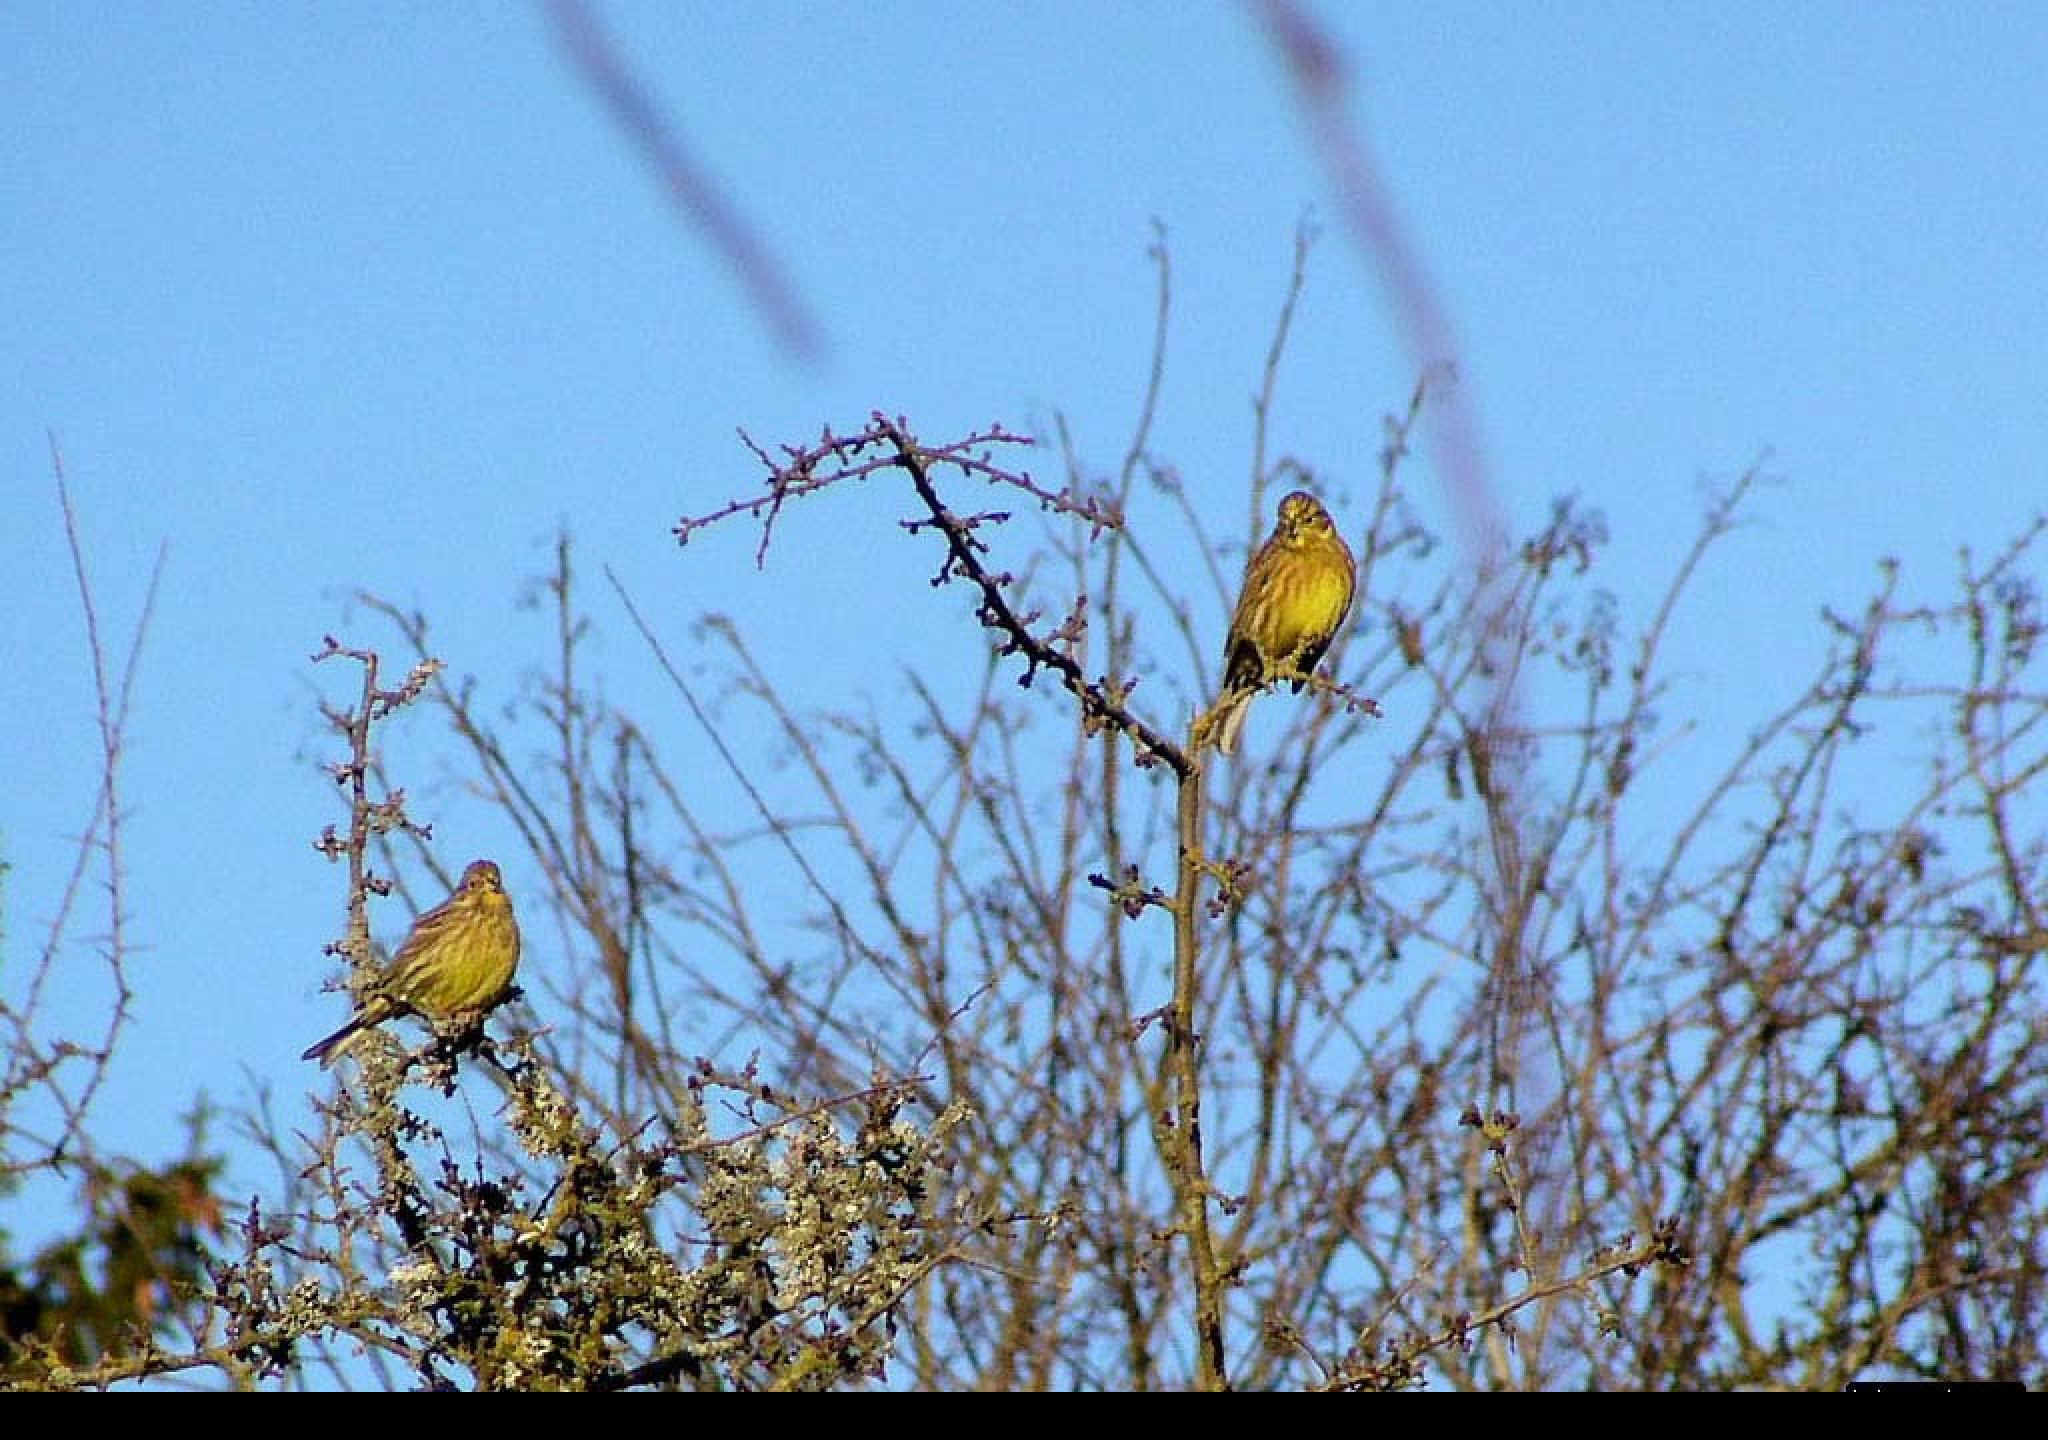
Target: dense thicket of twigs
1484	1024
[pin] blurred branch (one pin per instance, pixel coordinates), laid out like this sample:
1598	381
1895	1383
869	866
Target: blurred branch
1321	83
625	95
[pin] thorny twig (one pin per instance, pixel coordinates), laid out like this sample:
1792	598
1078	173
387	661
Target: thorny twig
888	444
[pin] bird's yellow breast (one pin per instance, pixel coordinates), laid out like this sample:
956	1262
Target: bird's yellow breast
1312	606
473	961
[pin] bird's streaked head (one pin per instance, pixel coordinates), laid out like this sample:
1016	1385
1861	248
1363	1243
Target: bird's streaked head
1301	514
482	875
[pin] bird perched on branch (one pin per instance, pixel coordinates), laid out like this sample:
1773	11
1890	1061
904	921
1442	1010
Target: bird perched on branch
1297	591
459	957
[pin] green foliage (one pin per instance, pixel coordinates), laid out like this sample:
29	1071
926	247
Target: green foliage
104	1292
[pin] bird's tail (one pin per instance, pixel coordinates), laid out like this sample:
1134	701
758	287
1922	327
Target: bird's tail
1227	718
336	1045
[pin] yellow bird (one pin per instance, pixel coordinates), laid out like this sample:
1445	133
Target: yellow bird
1297	591
460	957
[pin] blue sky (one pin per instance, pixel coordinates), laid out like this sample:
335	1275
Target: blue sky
322	297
